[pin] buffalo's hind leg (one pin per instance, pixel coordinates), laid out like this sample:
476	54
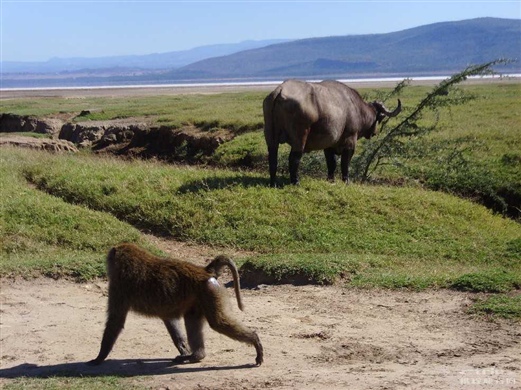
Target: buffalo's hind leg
273	162
329	153
298	145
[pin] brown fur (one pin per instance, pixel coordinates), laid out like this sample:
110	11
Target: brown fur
171	289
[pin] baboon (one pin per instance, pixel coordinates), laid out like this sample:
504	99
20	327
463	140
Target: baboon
171	289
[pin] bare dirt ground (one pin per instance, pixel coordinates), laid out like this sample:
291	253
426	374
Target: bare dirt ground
314	338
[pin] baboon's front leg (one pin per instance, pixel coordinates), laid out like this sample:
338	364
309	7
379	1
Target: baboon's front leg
194	322
174	328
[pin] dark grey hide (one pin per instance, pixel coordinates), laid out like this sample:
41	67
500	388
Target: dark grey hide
327	116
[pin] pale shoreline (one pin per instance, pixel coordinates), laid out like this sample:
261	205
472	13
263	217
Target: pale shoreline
211	88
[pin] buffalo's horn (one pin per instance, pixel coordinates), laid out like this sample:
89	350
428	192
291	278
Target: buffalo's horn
381	108
397	110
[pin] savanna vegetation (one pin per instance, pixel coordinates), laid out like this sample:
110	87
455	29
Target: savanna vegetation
465	142
399	225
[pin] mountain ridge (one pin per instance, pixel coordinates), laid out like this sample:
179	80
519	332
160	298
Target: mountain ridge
451	45
152	61
436	49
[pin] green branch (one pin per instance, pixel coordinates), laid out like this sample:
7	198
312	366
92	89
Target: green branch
442	95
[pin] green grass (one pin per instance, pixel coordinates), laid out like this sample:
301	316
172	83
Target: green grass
364	235
491	282
486	132
501	305
26	134
370	270
236	111
80	383
220	207
487	129
42	234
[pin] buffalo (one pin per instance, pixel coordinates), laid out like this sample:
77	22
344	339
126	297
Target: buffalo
327	116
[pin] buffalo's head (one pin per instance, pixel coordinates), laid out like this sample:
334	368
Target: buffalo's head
381	113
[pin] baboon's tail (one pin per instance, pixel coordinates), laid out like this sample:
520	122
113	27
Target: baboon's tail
215	267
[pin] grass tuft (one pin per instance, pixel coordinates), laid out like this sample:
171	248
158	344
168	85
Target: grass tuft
65	382
490	282
499	305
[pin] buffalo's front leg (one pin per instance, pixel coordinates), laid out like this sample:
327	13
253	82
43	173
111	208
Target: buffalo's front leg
329	153
294	163
347	155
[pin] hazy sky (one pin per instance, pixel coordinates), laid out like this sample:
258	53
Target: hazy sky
38	30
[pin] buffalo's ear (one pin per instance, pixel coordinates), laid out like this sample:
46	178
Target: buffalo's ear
380	117
378	108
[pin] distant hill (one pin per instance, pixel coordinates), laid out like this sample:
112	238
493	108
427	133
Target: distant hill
434	49
174	59
439	48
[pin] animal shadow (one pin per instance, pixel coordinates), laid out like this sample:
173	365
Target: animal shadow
218	183
124	367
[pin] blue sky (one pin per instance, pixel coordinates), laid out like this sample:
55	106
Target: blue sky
39	30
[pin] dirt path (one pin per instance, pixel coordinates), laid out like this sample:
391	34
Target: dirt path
314	338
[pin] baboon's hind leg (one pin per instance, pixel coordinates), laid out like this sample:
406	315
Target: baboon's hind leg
115	323
239	332
216	312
